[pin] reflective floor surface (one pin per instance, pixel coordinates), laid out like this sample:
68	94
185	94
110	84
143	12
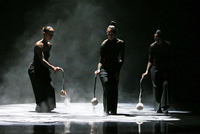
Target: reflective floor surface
83	118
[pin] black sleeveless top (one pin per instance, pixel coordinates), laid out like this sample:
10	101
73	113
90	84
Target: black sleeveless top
160	55
37	67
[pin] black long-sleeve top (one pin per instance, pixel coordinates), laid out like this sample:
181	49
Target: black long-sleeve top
111	52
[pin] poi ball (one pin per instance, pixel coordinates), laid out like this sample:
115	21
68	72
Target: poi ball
139	122
63	93
94	101
139	106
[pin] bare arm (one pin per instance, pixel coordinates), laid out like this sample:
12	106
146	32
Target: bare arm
98	68
147	70
150	60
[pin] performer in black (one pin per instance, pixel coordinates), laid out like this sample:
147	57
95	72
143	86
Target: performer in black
111	60
39	73
159	62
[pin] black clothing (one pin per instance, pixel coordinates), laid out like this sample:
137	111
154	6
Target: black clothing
110	52
109	73
41	81
160	58
160	88
160	55
109	82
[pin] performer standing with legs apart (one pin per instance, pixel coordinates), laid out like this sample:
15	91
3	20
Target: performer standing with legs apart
111	60
39	73
160	62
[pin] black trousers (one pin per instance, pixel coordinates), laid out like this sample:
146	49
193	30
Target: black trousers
110	80
43	90
160	88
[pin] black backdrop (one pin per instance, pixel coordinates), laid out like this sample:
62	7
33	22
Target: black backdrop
136	21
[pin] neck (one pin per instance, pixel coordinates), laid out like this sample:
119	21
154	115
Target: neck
44	41
111	39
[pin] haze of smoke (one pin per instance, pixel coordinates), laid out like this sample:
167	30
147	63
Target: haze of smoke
79	30
75	48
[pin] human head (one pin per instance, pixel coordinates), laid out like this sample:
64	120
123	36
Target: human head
48	32
159	37
111	30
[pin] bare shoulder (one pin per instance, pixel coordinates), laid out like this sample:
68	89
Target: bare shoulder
103	43
39	44
153	44
120	41
49	43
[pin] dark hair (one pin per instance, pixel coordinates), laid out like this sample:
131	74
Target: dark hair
159	34
112	26
46	29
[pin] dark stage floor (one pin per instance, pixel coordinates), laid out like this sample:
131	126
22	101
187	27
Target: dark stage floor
83	118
